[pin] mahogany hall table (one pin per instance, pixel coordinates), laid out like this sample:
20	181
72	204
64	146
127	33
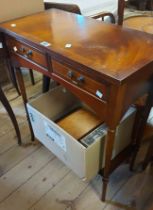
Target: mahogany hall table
106	66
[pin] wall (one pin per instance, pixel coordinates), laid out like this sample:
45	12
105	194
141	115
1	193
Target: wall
11	9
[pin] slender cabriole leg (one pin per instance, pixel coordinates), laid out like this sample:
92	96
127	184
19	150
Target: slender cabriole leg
24	97
11	114
109	148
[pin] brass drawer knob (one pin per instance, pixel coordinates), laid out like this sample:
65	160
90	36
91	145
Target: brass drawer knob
22	49
70	74
29	53
81	79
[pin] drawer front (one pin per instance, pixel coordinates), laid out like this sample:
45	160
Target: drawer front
26	51
96	88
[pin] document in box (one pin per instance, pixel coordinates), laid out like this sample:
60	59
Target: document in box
55	136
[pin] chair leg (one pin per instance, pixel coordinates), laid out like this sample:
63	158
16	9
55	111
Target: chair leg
11	114
46	84
15	81
32	76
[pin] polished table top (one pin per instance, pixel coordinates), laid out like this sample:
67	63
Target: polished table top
111	52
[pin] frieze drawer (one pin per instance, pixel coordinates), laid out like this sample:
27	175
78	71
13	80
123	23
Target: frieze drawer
96	88
26	51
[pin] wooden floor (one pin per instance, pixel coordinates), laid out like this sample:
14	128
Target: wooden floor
32	178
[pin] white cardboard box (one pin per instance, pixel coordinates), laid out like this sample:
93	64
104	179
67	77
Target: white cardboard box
85	156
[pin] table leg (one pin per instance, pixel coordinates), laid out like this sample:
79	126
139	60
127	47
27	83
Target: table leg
32	76
11	114
11	71
109	148
46	84
24	97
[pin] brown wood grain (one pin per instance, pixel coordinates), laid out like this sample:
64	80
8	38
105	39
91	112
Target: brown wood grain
117	53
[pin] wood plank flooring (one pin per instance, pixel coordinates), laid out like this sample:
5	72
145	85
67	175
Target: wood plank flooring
32	178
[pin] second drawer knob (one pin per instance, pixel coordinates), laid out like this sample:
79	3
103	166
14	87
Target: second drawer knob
81	79
29	53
